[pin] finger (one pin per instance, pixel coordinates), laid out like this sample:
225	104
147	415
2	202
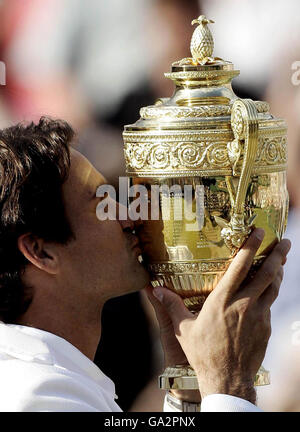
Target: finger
161	314
271	293
240	266
174	306
267	273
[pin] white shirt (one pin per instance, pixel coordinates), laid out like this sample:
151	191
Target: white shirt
40	371
283	352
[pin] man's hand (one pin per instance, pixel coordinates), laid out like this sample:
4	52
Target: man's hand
173	353
226	342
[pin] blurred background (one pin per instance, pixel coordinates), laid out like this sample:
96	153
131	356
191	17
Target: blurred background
95	64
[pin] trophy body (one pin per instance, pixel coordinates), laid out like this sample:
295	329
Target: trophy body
215	166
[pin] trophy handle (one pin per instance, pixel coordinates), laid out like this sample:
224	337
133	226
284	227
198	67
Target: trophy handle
244	123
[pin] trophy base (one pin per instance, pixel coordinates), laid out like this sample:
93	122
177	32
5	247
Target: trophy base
184	378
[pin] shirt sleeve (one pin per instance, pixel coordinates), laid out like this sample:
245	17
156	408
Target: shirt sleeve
169	408
227	403
219	403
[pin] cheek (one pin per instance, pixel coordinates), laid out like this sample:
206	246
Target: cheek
106	238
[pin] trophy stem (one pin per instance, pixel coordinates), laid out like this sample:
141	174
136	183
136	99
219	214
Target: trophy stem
181	377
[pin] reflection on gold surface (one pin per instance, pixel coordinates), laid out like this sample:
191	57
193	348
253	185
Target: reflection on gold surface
191	262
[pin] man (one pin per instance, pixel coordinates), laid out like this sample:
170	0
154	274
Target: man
59	264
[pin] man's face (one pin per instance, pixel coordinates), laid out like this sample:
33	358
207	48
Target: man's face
102	260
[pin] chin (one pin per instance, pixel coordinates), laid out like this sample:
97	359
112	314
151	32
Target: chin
142	280
139	279
132	277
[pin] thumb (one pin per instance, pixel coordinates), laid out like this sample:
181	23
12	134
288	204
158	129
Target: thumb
173	305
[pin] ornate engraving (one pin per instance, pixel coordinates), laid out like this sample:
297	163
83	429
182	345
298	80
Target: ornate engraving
188	267
179	371
136	155
272	151
217	155
190	155
163	111
204	155
158	156
175	137
218	77
193	280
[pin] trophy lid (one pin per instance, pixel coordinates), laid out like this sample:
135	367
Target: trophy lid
202	85
202	68
198	114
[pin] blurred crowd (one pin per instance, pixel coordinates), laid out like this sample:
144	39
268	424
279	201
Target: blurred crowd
95	64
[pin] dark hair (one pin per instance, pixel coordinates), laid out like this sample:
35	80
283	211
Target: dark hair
34	163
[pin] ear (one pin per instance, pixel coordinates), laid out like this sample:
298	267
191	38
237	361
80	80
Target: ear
39	253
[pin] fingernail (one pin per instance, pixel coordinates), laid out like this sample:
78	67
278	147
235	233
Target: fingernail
259	233
157	292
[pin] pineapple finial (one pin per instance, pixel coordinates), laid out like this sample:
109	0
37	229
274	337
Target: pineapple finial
202	43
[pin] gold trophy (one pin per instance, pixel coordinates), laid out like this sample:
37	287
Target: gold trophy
232	154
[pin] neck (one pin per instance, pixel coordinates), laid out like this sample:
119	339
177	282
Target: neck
79	324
